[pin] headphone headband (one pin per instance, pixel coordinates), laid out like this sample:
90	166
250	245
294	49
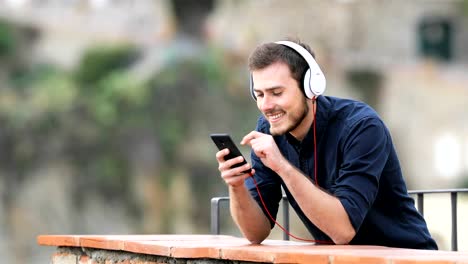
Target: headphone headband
314	80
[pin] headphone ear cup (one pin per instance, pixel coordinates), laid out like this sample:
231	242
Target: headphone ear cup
307	84
252	92
317	84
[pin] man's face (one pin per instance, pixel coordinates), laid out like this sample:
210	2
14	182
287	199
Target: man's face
279	98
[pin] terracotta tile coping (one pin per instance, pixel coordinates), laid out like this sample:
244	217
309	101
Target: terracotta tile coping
233	248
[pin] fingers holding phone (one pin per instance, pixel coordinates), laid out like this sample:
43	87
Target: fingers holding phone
232	175
232	165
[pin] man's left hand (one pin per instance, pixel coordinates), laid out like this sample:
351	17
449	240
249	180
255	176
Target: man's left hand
264	146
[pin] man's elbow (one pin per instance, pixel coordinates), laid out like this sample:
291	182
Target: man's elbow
344	237
257	237
255	241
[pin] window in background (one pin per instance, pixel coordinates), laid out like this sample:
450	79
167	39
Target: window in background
435	38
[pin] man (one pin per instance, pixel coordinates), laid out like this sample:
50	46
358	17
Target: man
333	157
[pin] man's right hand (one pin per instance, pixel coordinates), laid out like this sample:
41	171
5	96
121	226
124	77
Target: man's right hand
233	176
245	211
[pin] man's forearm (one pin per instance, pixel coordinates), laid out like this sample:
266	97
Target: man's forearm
322	209
248	216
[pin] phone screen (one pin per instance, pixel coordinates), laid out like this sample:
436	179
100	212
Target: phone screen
223	141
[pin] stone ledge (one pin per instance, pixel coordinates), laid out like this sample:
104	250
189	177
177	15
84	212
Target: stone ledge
228	248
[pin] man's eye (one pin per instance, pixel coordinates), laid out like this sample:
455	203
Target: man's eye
259	95
277	93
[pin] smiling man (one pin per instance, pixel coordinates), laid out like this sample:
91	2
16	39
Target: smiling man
333	157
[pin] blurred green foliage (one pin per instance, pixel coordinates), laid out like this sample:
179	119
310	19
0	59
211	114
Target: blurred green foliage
464	7
92	115
100	60
7	40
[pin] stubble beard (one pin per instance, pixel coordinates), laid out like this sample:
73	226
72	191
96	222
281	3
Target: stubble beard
294	120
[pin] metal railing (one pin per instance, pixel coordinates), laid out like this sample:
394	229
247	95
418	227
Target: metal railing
453	201
216	201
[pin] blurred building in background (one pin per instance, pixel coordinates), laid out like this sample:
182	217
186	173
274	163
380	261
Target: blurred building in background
67	27
408	59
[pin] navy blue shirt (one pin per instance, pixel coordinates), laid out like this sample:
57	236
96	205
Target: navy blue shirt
357	163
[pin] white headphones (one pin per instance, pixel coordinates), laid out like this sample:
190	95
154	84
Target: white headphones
314	80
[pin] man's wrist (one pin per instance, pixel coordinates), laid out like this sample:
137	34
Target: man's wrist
283	167
237	188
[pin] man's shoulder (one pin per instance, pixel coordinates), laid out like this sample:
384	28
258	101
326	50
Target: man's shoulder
350	111
347	104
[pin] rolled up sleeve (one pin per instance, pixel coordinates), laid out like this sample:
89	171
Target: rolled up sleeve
365	151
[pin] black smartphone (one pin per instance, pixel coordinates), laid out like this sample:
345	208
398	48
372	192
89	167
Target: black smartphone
223	141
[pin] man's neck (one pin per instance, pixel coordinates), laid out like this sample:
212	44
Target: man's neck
303	128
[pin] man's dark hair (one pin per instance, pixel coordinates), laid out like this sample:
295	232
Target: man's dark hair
269	53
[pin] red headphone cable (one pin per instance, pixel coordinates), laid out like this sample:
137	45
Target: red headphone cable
316	182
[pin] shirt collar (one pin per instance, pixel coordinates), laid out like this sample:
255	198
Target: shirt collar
322	117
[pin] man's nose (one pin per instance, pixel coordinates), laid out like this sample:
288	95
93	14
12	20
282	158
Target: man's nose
266	103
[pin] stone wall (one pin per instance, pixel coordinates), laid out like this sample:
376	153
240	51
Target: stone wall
198	249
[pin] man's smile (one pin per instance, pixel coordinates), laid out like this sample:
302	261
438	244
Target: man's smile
275	117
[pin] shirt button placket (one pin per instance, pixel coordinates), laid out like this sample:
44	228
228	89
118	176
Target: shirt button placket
303	165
